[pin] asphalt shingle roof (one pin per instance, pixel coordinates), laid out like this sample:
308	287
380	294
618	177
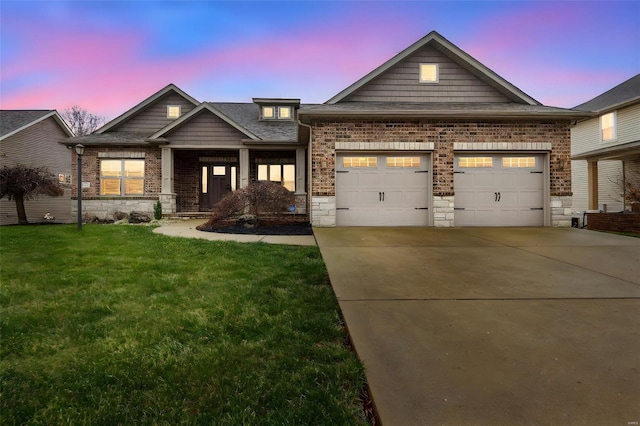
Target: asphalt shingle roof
623	92
11	120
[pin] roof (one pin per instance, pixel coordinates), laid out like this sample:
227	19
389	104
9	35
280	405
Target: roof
148	101
113	138
457	55
623	94
14	121
441	110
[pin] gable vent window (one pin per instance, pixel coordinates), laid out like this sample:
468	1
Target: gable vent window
268	112
173	111
608	126
429	73
284	113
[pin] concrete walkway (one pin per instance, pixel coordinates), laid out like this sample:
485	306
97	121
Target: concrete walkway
479	326
187	228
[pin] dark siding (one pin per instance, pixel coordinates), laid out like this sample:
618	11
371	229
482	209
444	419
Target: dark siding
206	130
154	117
38	146
401	83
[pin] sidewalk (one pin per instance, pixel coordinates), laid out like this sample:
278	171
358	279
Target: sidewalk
187	229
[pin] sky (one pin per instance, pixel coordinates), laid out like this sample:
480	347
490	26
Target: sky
107	56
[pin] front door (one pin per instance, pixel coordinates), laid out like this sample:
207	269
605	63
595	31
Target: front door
215	181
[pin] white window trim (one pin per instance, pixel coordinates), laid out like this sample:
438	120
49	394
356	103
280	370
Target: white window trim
436	81
122	177
174	106
264	117
280	117
615	127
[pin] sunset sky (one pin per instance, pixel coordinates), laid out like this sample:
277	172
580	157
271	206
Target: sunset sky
108	56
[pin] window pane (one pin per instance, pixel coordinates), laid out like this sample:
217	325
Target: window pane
608	126
110	186
475	162
275	173
263	172
219	170
284	112
173	111
429	73
205	180
290	177
234	178
111	168
134	168
268	112
360	161
134	186
519	162
403	161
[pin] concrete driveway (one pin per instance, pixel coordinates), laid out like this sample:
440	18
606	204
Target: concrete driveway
492	326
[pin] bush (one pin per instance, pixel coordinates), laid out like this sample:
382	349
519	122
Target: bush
157	210
256	199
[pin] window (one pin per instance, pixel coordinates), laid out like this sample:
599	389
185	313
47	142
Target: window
284	112
121	177
268	112
475	162
608	126
403	161
518	162
173	111
284	174
429	73
360	161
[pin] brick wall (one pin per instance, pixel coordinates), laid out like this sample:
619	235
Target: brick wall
91	169
443	134
617	222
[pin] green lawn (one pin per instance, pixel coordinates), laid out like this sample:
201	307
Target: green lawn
116	325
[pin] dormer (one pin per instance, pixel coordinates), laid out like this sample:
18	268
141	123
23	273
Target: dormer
277	109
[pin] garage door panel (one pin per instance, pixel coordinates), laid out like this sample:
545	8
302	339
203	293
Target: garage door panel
387	194
499	191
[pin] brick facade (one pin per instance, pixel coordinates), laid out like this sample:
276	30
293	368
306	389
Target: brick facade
617	222
443	134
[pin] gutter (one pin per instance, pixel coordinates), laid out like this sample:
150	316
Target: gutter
367	114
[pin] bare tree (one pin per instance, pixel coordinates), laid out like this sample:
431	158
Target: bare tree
81	121
25	183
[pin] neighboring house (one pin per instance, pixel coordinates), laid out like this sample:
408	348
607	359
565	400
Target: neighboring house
605	149
32	138
430	138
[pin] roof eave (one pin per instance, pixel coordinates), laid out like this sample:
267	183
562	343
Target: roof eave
53	113
564	115
611	152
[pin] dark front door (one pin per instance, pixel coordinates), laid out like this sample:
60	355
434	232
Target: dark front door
215	182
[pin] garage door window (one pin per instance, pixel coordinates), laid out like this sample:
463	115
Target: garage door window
360	162
475	162
519	162
405	162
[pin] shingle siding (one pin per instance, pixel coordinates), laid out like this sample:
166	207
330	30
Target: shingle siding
154	117
38	146
401	83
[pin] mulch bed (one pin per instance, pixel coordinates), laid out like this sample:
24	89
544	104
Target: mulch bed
267	229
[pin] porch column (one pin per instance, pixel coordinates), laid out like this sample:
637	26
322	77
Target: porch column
592	184
244	167
167	196
301	160
167	170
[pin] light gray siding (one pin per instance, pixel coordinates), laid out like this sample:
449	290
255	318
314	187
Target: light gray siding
154	117
38	146
585	136
609	185
206	130
401	83
629	124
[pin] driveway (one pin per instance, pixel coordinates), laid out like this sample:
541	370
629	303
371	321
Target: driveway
492	326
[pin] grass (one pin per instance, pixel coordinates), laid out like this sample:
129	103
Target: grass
117	325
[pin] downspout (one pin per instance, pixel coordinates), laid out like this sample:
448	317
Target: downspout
309	174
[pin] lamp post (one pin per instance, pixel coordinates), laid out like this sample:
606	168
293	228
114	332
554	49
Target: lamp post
79	152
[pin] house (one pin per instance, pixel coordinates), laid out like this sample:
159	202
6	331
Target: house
430	138
30	137
605	149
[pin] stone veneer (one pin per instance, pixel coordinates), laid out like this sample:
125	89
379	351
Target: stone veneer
439	138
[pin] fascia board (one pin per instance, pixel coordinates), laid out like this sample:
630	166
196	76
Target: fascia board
564	115
145	103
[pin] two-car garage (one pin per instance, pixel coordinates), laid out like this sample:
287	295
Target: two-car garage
394	189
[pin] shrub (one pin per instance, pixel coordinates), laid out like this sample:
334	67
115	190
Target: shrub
157	210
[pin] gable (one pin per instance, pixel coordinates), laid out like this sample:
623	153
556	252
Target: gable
153	117
205	129
400	83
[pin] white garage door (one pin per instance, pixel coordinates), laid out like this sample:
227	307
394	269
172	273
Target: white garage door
382	189
499	190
